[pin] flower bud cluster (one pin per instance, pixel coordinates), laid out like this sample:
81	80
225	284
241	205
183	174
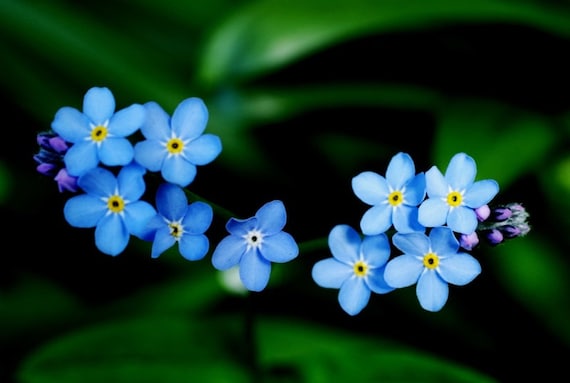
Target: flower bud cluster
50	161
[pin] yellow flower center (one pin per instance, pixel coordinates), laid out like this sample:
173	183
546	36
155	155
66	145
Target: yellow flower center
175	146
431	260
116	204
176	229
395	198
99	133
360	269
454	199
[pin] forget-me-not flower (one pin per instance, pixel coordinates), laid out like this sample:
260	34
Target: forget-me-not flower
175	146
356	267
432	262
98	134
180	222
452	199
394	199
254	243
111	205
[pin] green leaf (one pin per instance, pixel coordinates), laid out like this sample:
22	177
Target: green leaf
266	35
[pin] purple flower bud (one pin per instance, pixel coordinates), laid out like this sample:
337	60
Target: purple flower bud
43	140
65	181
494	237
469	241
46	169
502	214
483	212
58	144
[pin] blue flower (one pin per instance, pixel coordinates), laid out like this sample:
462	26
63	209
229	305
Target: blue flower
254	243
394	199
111	205
432	262
98	134
178	221
356	267
453	198
176	146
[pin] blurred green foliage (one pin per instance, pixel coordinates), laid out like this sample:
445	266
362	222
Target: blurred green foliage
304	95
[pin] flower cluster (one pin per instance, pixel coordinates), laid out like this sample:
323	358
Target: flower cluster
435	219
97	154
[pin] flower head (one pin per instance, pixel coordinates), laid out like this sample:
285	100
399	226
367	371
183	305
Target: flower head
176	146
453	198
179	222
254	243
98	134
394	199
432	262
111	205
356	267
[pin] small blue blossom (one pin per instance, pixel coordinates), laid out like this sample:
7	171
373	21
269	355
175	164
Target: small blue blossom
394	199
356	267
98	134
176	146
254	243
180	222
432	262
111	205
453	198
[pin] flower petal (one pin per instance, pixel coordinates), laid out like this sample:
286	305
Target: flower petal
481	193
371	188
130	182
163	241
459	269
203	149
432	291
198	217
376	250
98	182
193	247
405	219
376	220
178	171
84	210
228	252
71	124
376	282
80	158
353	295
344	243
462	220
150	154
254	271
279	247
171	201
156	126
461	171
443	241
111	235
415	191
271	217
127	121
331	273
240	227
189	119
436	184
400	170
416	244
98	105
433	212
116	151
137	216
403	271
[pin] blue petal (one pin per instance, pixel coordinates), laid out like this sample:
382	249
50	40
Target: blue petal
432	291
193	247
163	241
98	105
462	220
406	219
98	182
459	269
84	210
228	252
371	188
443	240
203	149
403	271
436	184
171	201
353	295
130	182
416	244
461	171
271	217
150	154
433	212
137	216
71	124
415	191
178	171
331	273
156	126
254	271
240	227
344	243
375	250
127	121
280	247
116	151
480	193
376	220
198	218
376	282
80	158
111	235
400	170
189	119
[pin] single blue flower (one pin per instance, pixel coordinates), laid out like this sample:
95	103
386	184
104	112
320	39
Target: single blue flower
176	146
254	243
111	205
98	134
356	267
180	222
394	199
432	262
453	198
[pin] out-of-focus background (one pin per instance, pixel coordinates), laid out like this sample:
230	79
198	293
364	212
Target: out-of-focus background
304	94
